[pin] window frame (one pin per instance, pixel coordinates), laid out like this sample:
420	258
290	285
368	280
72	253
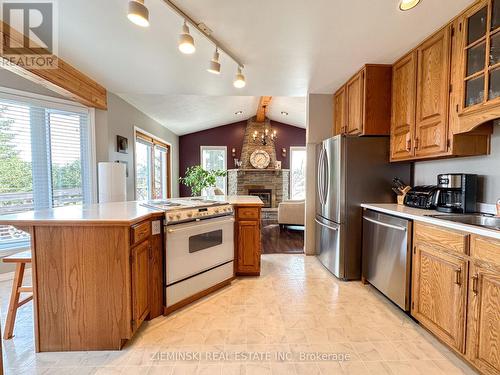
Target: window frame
69	106
295	148
224	148
153	140
53	104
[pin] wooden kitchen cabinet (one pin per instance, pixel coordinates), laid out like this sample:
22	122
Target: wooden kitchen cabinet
362	106
339	111
248	241
439	288
483	321
477	60
426	89
404	81
433	75
140	259
355	103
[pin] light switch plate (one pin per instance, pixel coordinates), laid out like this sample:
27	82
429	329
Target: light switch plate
156	227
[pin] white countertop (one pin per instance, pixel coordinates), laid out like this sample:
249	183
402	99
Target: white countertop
117	213
421	215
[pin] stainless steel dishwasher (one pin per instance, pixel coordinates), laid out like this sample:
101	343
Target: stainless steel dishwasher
387	255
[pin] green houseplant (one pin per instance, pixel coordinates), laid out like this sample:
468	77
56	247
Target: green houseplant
198	179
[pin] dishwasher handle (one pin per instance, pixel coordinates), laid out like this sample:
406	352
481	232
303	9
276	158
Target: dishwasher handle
403	229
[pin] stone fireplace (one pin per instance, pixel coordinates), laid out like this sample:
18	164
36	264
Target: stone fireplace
271	185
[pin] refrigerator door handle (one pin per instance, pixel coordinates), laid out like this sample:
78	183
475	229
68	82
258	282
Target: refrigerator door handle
403	229
324	225
326	182
321	176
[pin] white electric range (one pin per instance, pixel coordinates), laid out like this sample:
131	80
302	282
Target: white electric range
199	243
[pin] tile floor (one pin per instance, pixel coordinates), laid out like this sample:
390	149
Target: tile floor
279	323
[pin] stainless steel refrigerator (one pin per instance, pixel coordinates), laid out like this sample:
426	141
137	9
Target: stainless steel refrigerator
350	170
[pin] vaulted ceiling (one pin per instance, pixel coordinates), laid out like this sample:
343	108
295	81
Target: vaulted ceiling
289	48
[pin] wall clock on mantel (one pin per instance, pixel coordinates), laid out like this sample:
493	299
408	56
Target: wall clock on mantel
260	159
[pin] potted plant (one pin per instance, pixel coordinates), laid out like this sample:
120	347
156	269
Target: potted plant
198	179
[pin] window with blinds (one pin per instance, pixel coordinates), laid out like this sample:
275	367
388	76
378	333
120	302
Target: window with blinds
152	168
44	160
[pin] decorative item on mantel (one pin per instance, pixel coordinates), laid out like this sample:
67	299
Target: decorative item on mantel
277	165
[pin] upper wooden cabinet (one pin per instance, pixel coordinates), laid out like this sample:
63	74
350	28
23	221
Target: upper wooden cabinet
339	117
477	55
362	105
425	120
433	74
404	80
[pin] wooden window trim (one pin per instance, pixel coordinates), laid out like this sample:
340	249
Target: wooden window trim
156	142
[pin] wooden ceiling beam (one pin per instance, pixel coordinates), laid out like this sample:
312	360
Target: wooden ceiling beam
261	110
63	79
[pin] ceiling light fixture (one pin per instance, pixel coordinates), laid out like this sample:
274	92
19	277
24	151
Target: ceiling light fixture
408	4
214	66
186	41
239	80
284	113
238	113
138	13
204	31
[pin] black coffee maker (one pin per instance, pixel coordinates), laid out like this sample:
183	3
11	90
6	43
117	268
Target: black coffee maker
457	193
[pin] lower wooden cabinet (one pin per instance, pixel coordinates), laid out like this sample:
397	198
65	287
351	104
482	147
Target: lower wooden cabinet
140	259
456	294
483	321
248	244
440	294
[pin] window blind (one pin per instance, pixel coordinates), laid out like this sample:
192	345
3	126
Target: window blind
44	160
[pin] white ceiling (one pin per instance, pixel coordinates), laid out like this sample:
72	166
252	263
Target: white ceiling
289	48
185	114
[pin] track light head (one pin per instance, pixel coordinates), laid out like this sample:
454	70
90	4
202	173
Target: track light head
408	4
239	80
214	65
138	13
186	41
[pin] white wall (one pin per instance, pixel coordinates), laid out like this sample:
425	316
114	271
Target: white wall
487	167
319	128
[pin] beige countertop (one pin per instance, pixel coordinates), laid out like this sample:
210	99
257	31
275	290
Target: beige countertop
115	213
422	215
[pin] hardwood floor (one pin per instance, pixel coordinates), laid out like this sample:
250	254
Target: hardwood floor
289	240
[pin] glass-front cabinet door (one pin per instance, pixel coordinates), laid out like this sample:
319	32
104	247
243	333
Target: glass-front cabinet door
482	54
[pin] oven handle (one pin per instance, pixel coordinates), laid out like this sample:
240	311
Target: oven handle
208	222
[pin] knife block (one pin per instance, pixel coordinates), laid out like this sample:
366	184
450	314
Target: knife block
401	198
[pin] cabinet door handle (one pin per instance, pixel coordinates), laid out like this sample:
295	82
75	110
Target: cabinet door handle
416	143
408	145
475	280
458	276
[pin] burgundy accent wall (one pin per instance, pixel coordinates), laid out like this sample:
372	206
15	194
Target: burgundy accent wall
232	136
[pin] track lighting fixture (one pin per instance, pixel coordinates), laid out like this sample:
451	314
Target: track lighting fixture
408	4
214	66
186	41
138	13
239	80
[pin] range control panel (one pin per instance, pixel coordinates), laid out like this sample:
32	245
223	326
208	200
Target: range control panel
197	213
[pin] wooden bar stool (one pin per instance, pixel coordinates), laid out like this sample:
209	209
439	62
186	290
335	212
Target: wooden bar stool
20	260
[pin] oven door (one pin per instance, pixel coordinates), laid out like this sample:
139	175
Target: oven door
198	246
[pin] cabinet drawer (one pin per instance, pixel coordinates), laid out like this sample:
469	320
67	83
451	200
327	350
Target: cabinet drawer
247	213
485	249
140	232
435	236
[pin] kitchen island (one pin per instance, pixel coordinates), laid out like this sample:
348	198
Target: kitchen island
98	270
